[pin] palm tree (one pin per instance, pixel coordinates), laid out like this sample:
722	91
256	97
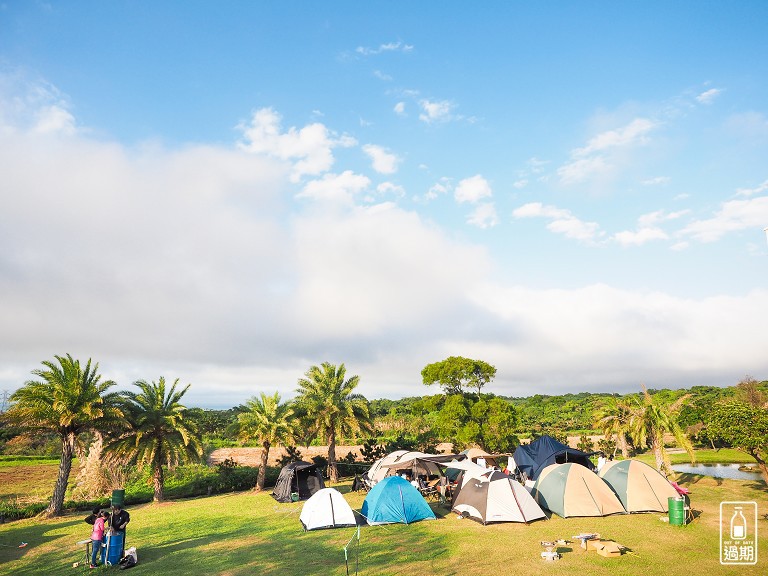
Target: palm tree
268	422
332	410
615	419
158	431
651	420
69	401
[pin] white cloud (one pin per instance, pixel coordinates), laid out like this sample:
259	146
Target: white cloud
598	334
657	181
519	184
733	216
390	188
336	187
438	189
709	96
309	148
400	108
483	216
472	190
636	132
640	236
652	218
434	111
598	156
382	76
561	221
753	191
388	47
383	162
583	169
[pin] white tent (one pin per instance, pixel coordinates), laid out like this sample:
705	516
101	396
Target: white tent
407	462
495	497
327	508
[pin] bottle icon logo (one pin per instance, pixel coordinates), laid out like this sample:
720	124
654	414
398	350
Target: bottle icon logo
738	524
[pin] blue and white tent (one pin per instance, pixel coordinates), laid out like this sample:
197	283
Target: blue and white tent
394	499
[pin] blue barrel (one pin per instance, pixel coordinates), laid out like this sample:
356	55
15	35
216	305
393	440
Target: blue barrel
111	554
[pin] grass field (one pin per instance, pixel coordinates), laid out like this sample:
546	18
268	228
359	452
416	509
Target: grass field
249	533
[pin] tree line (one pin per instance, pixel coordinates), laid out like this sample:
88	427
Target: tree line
150	427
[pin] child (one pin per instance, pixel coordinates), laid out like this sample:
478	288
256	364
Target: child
97	535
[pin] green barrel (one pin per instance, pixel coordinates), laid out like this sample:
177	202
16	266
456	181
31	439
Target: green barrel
118	497
676	511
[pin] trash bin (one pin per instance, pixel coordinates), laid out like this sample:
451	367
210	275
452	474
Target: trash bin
110	554
676	511
118	497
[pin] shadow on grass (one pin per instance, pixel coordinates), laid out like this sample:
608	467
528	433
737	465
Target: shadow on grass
688	478
36	535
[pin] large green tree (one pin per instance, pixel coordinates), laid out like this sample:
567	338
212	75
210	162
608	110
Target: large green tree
467	421
744	426
651	421
158	431
456	372
327	401
68	400
269	423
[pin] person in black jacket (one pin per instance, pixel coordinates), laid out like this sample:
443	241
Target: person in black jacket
117	523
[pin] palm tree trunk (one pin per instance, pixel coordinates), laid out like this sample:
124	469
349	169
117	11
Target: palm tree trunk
263	467
623	445
65	466
158	478
659	455
333	470
761	464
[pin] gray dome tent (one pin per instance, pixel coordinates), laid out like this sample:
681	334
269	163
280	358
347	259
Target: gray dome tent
300	478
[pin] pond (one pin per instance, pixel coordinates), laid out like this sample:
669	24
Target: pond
730	471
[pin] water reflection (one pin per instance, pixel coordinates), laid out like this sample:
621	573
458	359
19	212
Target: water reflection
730	471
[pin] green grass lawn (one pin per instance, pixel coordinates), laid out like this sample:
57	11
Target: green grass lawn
703	456
250	533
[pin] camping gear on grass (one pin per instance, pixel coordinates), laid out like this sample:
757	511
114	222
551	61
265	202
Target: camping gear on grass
327	508
394	499
639	486
300	478
532	458
495	497
573	490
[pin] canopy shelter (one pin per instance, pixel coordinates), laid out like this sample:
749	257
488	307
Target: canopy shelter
573	490
413	464
532	458
494	497
394	499
639	487
480	456
327	508
298	481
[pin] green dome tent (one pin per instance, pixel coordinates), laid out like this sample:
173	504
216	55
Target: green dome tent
574	490
639	486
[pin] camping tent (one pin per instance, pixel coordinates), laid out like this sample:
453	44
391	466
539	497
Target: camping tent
639	486
483	458
394	499
300	478
495	497
326	509
573	490
532	458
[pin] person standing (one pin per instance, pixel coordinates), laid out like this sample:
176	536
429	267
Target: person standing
97	535
117	523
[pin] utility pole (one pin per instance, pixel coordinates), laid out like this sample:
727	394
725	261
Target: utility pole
4	402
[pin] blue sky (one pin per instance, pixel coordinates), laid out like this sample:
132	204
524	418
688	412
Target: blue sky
574	192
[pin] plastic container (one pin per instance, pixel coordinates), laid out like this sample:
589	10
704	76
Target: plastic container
111	553
676	511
